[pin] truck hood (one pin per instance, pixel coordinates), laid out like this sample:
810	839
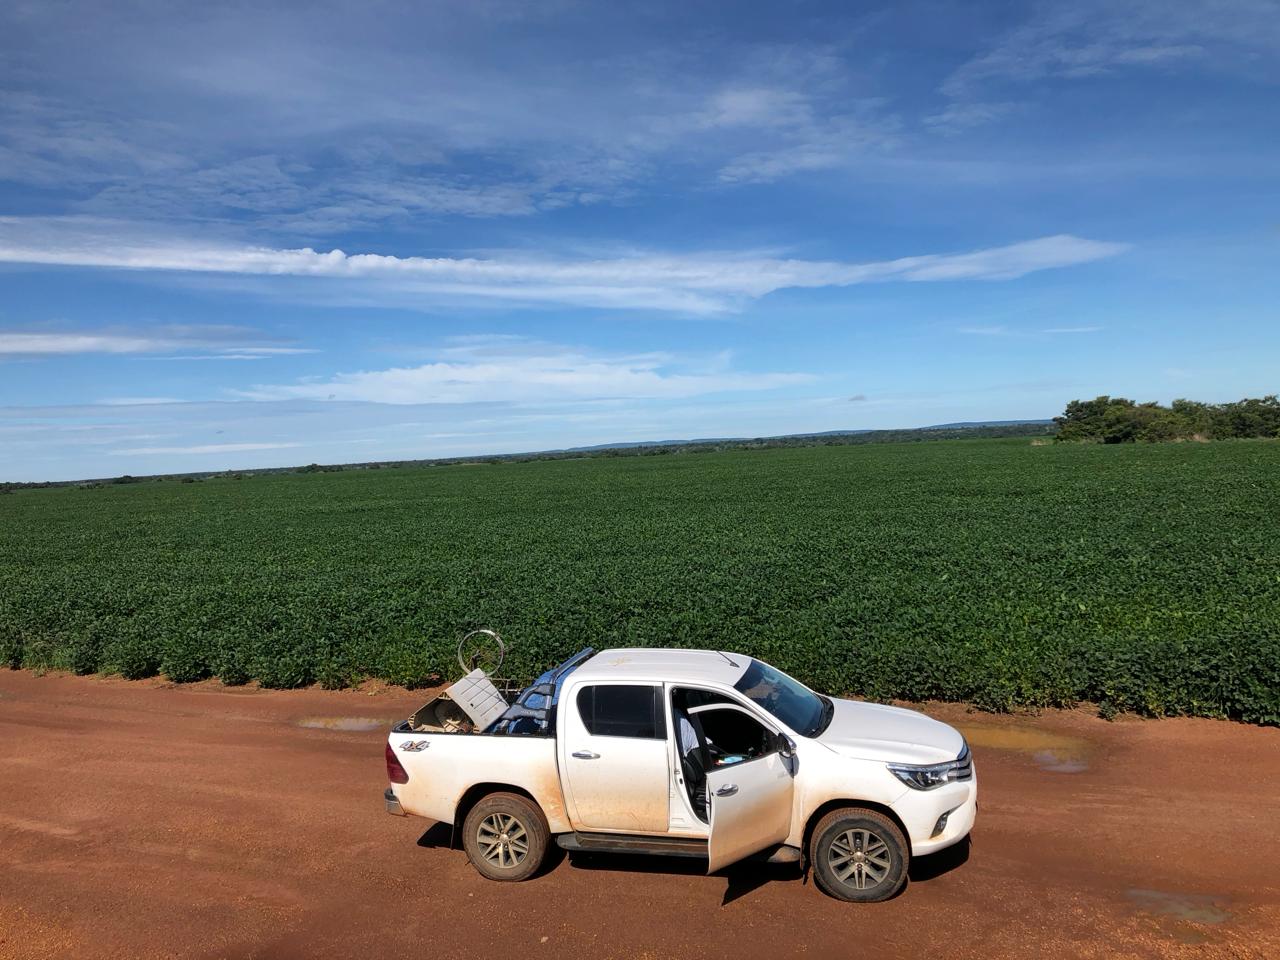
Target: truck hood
872	731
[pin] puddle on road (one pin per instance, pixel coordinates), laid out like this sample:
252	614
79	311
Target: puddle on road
1054	752
345	724
1193	907
1057	761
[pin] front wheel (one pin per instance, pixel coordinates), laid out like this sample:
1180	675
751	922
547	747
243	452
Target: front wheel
859	855
506	837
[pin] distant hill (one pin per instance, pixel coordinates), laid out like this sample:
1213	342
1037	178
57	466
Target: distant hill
960	425
631	444
970	430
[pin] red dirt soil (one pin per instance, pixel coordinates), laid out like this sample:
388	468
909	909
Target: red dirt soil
143	819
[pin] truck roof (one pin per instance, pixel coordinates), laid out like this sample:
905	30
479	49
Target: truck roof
647	663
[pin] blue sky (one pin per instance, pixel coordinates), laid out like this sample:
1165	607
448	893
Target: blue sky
233	236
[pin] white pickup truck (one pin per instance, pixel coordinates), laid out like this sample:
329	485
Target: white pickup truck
689	753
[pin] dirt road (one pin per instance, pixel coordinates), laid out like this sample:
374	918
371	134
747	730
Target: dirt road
148	820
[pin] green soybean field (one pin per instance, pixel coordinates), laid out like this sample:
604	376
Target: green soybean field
998	572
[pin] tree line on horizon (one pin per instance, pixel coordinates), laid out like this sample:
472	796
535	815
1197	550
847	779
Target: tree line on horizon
1120	420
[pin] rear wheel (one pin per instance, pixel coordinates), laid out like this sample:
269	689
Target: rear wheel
859	855
506	837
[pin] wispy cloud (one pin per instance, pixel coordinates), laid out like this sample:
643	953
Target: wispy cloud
794	134
1095	37
506	369
960	116
298	198
692	283
138	401
329	123
999	330
200	448
219	342
313	126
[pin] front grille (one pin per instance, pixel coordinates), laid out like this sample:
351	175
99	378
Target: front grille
964	765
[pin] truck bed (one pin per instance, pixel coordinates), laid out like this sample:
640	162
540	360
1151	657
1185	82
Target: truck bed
443	767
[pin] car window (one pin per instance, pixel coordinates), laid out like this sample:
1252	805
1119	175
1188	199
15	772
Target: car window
622	710
791	702
693	697
732	736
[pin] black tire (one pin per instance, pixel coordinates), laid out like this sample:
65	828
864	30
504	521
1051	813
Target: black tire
859	855
506	837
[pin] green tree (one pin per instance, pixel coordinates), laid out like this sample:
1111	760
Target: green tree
1119	420
1248	418
1083	419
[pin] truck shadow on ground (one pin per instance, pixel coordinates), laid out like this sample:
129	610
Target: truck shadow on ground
438	835
926	868
747	877
743	878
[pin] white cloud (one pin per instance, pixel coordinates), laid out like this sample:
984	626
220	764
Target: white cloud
217	342
691	283
960	116
756	106
201	448
301	200
765	166
794	136
138	401
510	370
995	330
53	343
337	123
253	353
1094	37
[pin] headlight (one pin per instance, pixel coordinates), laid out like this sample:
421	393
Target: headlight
929	776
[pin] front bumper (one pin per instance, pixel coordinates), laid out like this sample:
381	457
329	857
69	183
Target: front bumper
393	803
920	810
959	823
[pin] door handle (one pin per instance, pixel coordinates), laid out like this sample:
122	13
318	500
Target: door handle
728	790
585	755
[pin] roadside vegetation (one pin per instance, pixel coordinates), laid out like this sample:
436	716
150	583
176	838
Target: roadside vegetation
999	572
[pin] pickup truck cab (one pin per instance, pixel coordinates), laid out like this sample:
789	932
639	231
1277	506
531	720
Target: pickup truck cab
690	753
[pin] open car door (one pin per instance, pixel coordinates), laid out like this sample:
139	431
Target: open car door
750	808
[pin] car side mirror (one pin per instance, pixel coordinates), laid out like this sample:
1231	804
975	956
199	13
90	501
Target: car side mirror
786	747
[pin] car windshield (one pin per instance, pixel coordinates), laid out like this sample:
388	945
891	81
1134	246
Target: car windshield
793	703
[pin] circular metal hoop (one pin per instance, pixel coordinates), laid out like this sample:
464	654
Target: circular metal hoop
481	649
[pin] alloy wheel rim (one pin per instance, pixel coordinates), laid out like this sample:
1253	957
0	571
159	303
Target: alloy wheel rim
859	858
503	840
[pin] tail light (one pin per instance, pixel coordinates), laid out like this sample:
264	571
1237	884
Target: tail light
395	772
